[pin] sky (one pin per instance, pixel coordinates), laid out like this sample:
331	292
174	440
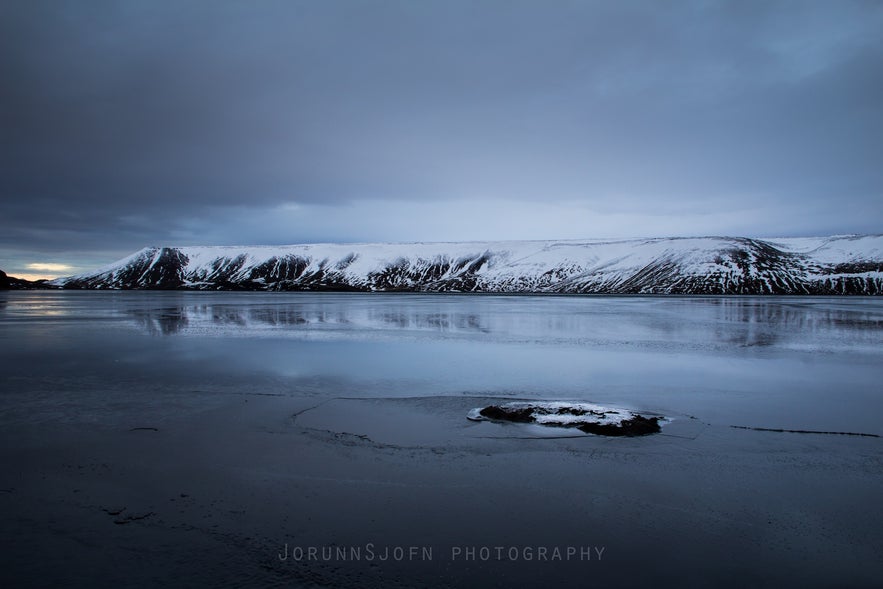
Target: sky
125	124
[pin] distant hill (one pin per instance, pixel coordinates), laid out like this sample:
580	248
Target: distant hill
13	283
851	265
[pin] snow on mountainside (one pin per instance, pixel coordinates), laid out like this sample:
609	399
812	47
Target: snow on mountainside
708	265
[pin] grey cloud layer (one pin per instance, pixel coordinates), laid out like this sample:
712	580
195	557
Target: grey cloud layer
129	116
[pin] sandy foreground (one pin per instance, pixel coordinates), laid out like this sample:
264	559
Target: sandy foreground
288	491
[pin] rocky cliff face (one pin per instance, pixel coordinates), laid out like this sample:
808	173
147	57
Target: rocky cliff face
712	265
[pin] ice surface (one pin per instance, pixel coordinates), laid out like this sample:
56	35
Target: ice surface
268	432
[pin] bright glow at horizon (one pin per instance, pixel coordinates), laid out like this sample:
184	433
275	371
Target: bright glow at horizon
33	277
48	267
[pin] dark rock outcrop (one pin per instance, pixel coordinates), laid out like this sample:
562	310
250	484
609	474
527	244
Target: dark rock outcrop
588	419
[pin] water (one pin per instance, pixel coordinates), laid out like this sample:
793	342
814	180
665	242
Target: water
799	363
78	368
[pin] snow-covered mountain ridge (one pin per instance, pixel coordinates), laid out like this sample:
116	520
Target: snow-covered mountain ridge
706	265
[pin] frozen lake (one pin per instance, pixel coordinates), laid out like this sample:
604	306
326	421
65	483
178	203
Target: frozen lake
796	363
287	419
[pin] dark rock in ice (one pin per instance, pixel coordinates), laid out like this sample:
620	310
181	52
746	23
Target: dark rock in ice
637	426
522	415
588	418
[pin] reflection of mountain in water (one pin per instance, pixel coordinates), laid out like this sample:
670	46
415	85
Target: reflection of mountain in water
434	321
658	322
172	320
759	322
166	321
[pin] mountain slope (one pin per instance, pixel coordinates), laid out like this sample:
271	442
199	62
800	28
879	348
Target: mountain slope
709	265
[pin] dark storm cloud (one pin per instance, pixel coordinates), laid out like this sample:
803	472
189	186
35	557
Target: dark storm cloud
123	122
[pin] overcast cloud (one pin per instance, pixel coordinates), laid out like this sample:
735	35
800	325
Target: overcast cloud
127	124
